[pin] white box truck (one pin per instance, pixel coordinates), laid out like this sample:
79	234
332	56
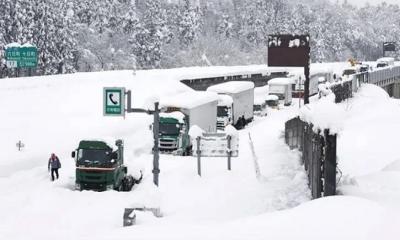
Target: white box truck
235	105
182	111
282	88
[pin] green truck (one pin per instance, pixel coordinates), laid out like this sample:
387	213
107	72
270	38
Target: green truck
99	168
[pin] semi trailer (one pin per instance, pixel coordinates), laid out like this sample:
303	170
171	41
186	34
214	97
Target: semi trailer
235	103
179	113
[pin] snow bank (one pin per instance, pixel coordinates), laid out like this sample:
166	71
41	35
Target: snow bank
195	131
231	87
324	114
369	140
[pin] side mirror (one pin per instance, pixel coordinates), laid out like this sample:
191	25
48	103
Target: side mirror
73	154
151	127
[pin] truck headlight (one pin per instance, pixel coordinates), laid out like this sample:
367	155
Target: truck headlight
110	187
77	186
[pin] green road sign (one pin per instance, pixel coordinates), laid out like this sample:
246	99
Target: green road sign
113	101
21	57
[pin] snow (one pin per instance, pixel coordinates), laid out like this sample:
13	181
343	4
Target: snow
324	114
176	115
224	100
231	87
195	131
272	97
281	81
188	100
53	113
12	45
27	45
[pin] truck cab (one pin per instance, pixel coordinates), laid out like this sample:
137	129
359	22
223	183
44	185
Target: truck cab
224	111
173	132
99	168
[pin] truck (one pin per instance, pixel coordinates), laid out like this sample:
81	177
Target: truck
385	62
179	113
235	103
260	103
282	87
100	168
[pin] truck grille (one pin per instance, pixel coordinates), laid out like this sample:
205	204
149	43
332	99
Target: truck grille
220	125
167	144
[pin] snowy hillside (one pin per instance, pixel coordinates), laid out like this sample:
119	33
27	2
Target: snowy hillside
51	114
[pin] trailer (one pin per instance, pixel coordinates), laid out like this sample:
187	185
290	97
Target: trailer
182	111
282	87
235	105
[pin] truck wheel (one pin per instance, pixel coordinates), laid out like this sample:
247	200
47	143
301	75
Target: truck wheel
127	183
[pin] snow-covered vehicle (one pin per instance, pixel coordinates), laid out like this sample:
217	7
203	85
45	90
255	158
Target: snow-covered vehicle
235	104
260	105
272	101
385	62
180	113
282	87
100	168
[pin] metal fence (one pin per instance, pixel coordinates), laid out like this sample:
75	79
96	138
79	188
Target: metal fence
343	90
318	155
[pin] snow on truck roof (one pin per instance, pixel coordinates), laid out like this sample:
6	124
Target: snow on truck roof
281	81
271	97
176	115
224	100
188	99
231	87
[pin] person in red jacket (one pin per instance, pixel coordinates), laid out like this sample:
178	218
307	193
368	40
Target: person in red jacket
54	165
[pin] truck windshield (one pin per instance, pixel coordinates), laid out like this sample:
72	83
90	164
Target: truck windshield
169	129
257	107
222	111
94	157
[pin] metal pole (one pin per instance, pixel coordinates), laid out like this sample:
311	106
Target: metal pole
156	157
198	152
383	49
307	84
229	138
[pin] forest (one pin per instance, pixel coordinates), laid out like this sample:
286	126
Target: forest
85	35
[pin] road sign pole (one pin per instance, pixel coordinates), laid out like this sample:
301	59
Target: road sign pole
198	152
156	157
229	139
307	84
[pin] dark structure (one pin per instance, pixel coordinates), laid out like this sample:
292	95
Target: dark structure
318	155
292	51
259	79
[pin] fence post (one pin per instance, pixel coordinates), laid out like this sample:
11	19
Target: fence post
198	152
229	138
330	165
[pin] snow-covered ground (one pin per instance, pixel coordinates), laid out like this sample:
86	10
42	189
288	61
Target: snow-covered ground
51	114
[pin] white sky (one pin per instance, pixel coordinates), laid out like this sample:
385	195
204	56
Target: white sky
372	2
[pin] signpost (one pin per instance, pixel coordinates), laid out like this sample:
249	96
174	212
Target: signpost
114	105
291	51
216	145
114	101
21	57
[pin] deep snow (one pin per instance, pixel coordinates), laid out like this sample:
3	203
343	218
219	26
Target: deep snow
51	114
